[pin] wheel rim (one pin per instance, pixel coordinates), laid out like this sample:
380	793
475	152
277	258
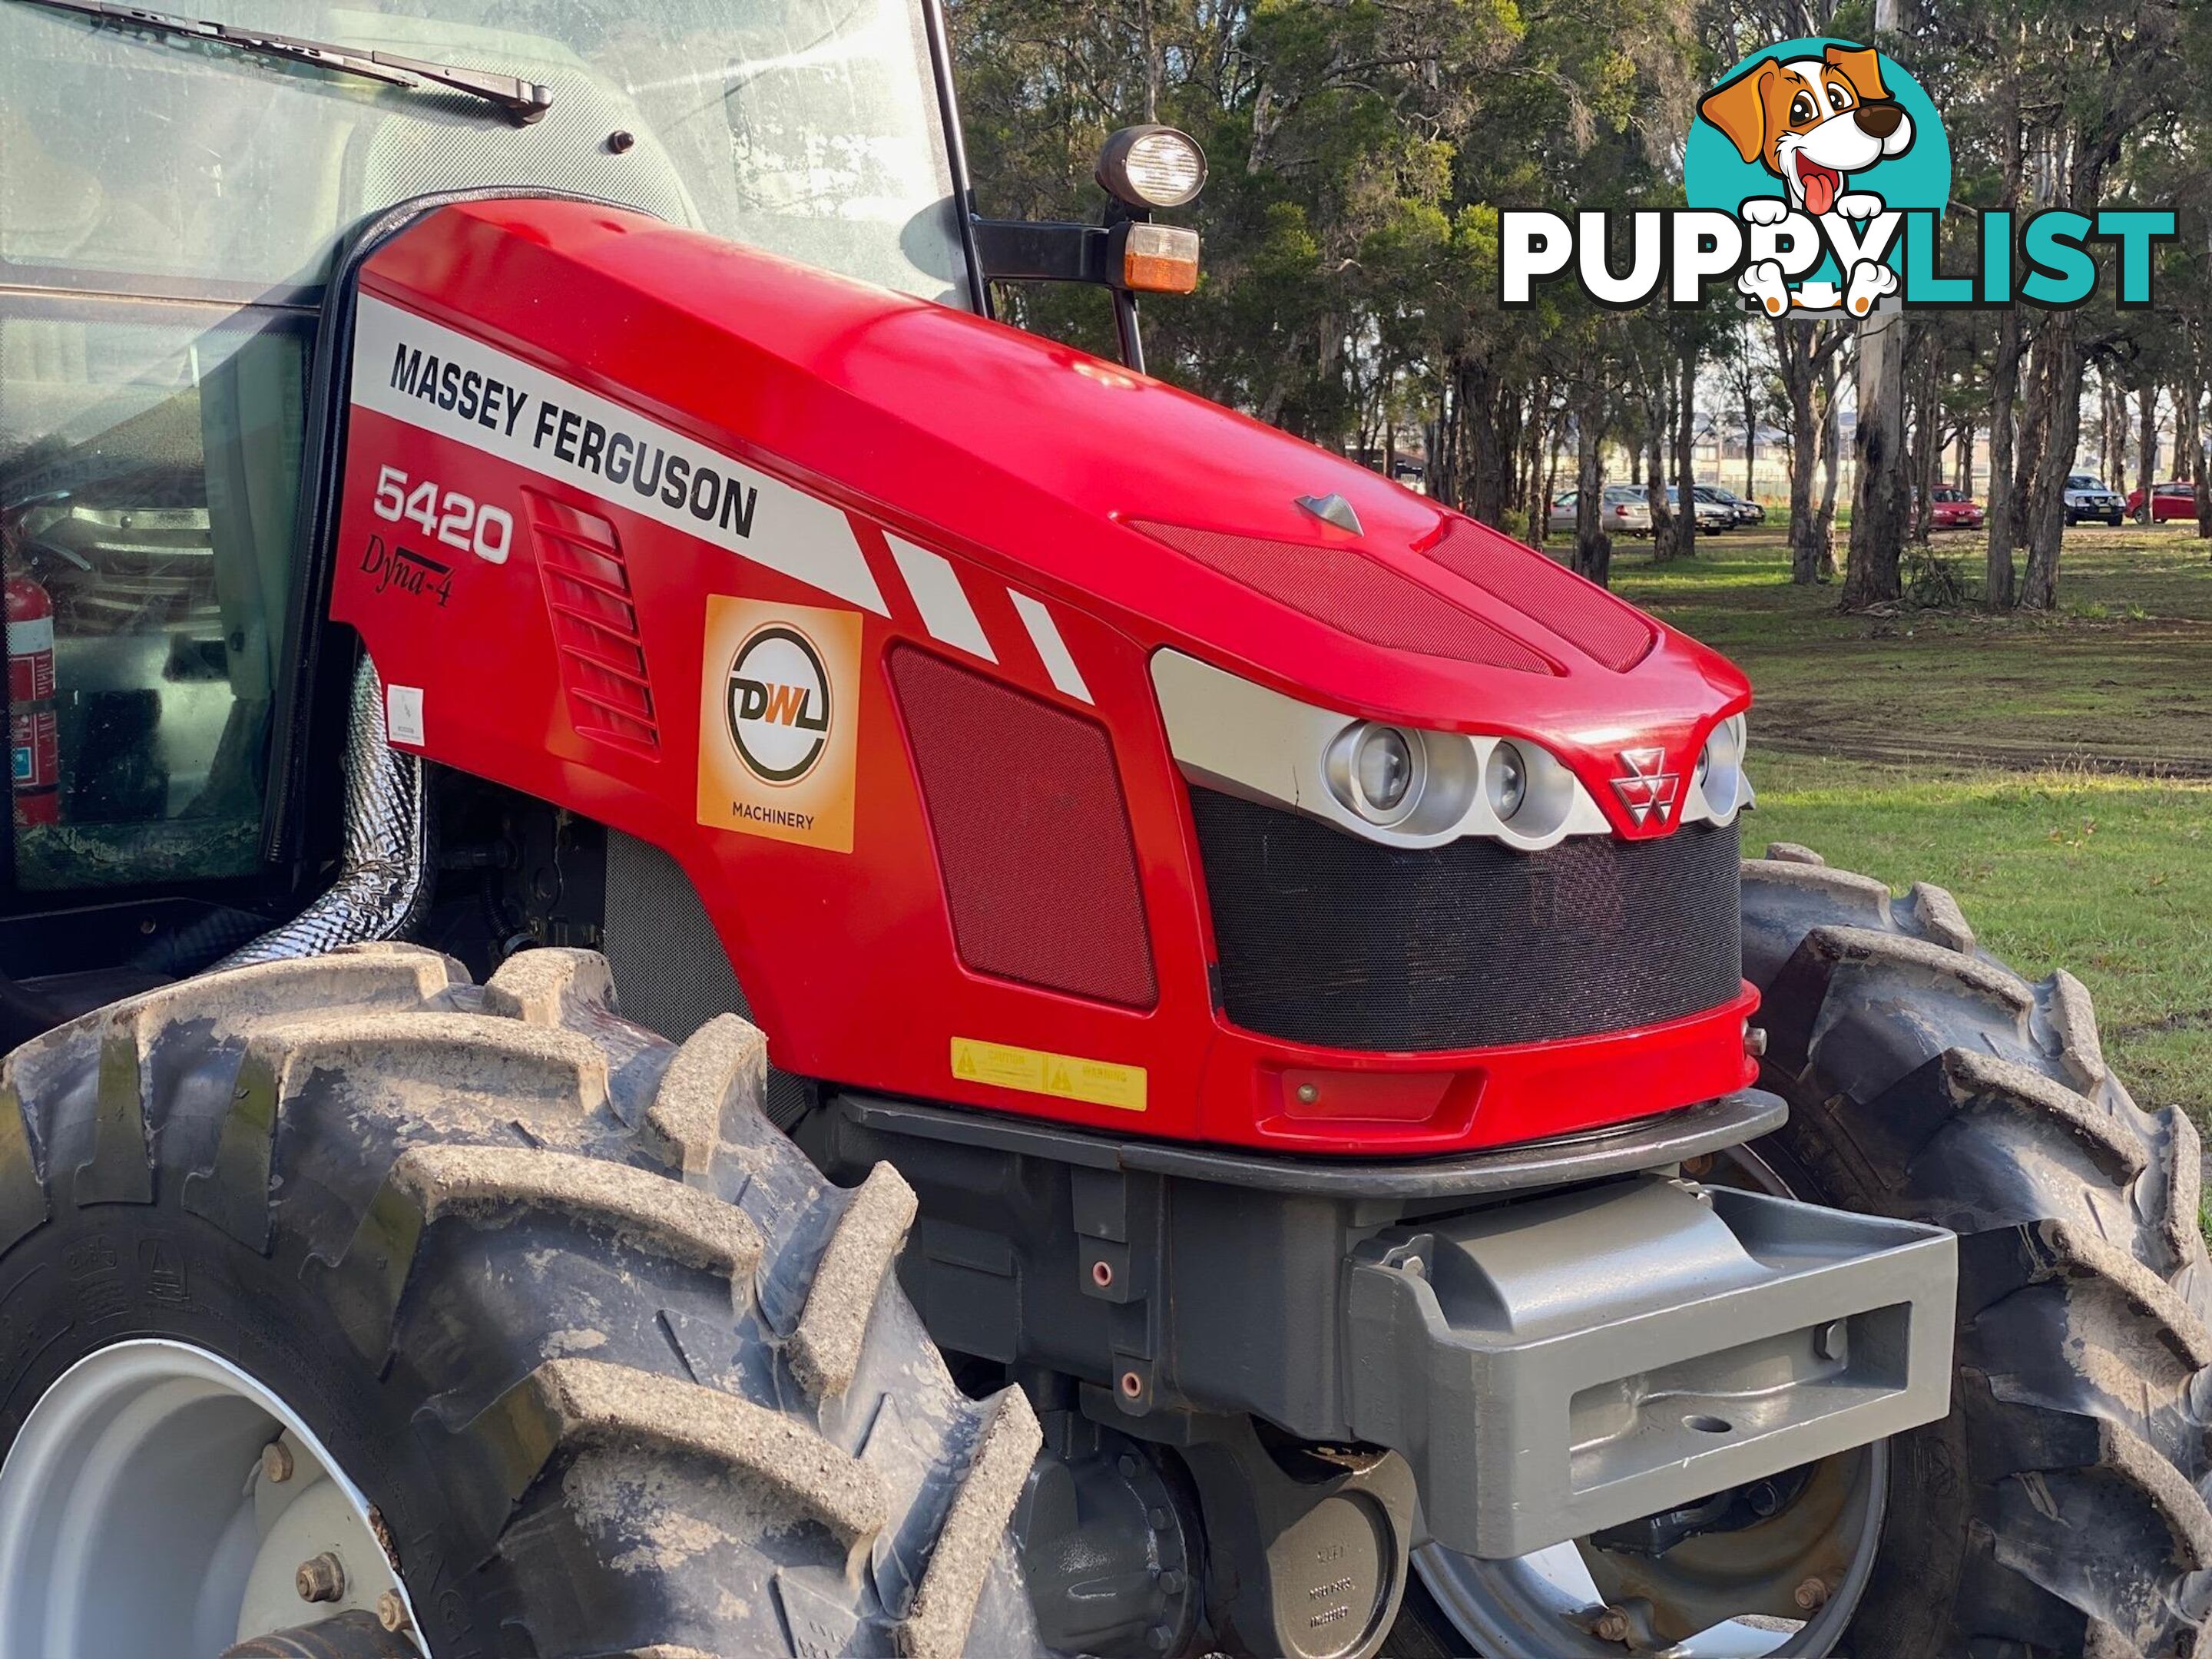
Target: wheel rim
1548	1605
160	1500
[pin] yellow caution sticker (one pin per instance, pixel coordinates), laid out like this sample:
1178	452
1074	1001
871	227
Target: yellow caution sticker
1034	1071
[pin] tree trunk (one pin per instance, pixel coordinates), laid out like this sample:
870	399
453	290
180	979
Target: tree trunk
1793	350
2146	447
1551	484
1878	447
1750	440
1686	465
1593	547
1921	453
2060	390
1831	471
2004	377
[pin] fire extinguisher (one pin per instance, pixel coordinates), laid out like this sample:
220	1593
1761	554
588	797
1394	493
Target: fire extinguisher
34	746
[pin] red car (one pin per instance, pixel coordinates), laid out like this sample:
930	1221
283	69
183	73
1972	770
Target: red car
1953	509
2174	499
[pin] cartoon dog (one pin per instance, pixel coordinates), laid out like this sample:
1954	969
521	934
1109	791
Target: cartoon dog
1812	122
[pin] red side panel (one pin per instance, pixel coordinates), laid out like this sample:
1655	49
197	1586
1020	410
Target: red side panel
834	595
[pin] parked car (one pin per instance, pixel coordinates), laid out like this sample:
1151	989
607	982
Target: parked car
1951	508
2086	497
1746	511
1622	511
1713	517
2174	499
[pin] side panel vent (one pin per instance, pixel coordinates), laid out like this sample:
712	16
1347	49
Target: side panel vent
1025	806
1353	594
594	624
1611	631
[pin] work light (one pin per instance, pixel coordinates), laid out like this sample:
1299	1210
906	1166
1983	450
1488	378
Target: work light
1151	167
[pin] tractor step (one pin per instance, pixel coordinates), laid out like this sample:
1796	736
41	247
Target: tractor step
1555	1367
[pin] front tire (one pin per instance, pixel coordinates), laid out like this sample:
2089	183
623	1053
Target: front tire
619	1372
2056	1511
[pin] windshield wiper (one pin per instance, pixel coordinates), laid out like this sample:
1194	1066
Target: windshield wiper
525	101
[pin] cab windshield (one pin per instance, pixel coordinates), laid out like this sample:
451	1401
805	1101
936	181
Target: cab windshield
169	215
807	127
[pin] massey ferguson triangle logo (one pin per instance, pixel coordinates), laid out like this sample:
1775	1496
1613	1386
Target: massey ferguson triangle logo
778	704
1647	788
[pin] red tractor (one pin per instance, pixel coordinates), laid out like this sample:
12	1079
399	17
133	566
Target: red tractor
1196	1068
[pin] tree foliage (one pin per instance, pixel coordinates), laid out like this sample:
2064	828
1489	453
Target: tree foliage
1361	153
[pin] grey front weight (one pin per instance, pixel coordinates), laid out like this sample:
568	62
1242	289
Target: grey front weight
1558	1366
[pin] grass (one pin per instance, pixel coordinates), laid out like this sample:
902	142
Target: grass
2119	678
2104	875
2055	772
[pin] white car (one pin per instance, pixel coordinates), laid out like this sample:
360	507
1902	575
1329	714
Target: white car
1622	511
2086	497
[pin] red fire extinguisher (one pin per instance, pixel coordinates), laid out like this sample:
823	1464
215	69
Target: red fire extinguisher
33	744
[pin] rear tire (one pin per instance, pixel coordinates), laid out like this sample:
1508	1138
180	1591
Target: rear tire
2056	1511
620	1372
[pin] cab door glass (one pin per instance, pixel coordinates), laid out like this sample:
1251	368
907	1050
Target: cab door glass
150	463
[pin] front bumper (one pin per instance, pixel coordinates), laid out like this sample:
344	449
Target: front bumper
1564	1364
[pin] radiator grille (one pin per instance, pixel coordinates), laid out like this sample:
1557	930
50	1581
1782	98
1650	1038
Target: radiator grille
1584	614
1332	940
1025	806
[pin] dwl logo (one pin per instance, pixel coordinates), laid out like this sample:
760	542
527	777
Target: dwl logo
778	703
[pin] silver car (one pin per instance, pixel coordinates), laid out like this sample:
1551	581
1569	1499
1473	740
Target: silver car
1622	511
2086	497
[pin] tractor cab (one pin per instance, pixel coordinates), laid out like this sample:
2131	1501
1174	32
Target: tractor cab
173	201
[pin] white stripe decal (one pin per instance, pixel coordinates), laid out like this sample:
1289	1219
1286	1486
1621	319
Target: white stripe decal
942	601
461	389
1053	648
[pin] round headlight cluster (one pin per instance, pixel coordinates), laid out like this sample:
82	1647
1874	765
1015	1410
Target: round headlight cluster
1379	771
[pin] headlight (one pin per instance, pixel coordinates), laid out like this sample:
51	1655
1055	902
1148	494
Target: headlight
1378	771
1507	778
1720	777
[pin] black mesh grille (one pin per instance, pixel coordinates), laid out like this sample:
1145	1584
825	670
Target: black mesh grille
1328	939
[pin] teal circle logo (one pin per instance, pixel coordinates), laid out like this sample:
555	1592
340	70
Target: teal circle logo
1817	126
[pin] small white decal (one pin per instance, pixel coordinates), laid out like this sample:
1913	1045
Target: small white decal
403	714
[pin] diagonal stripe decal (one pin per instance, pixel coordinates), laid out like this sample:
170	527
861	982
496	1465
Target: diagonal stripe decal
938	596
1044	634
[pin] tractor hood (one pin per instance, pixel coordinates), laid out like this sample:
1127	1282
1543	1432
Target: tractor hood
1160	515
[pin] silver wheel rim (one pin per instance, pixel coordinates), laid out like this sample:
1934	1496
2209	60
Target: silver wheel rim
1542	1606
138	1515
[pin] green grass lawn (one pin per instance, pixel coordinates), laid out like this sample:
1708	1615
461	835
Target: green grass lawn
2109	877
2120	677
2054	773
